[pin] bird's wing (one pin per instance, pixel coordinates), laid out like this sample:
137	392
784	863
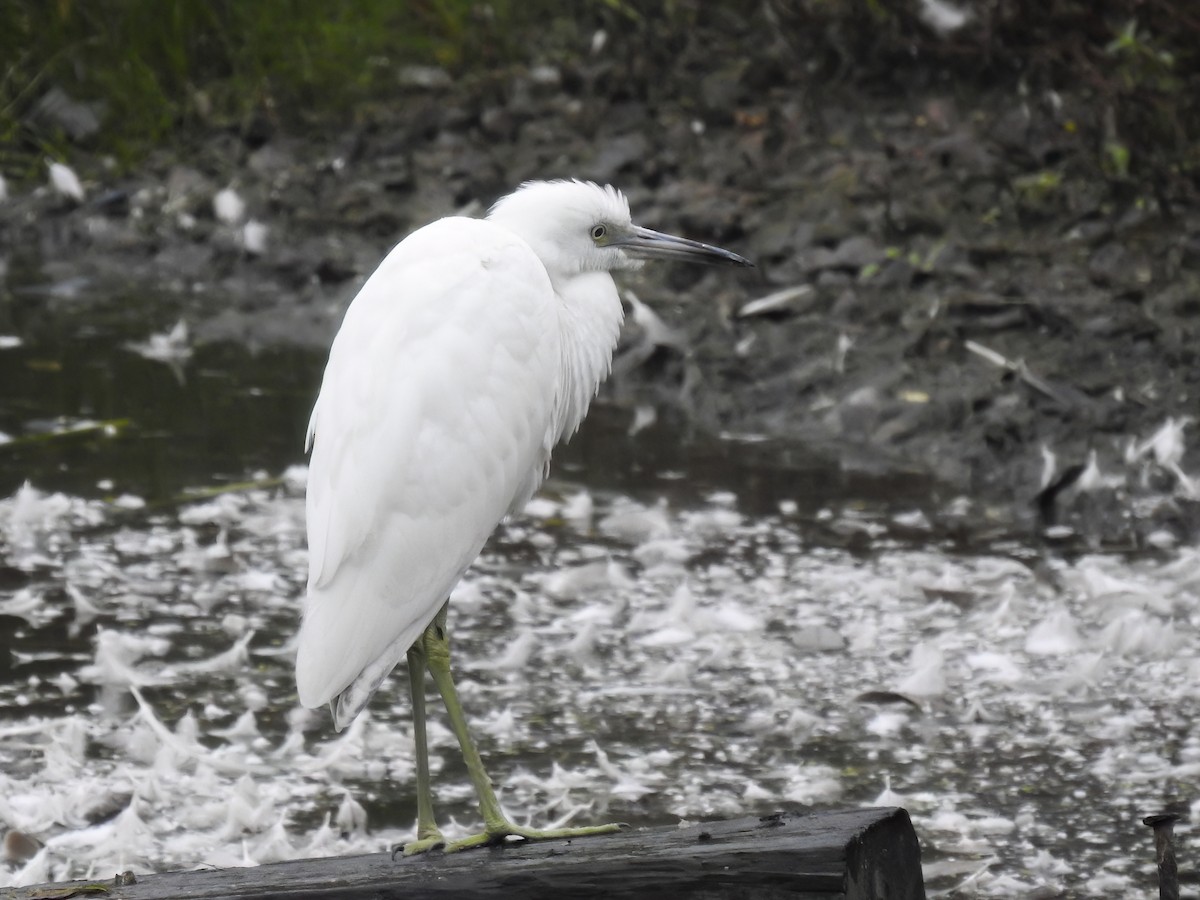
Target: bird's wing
435	416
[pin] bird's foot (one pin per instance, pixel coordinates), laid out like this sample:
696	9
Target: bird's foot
433	841
497	834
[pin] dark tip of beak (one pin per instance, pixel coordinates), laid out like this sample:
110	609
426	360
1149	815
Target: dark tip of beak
648	244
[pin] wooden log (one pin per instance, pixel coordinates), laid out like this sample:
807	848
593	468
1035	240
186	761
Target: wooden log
859	854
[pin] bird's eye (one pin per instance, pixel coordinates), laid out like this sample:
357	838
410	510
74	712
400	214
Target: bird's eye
599	232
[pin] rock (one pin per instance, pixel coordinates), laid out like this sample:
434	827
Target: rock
720	90
963	155
1178	300
394	172
852	255
187	190
1115	265
362	206
618	154
949	258
893	273
499	122
1189	253
272	161
19	847
55	110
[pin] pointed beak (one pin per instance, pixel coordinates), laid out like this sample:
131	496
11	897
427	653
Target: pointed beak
646	244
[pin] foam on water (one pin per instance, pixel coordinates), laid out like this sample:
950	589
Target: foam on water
618	661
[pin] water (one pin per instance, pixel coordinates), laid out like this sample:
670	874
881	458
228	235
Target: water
675	629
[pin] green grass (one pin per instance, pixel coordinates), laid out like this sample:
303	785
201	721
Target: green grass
159	66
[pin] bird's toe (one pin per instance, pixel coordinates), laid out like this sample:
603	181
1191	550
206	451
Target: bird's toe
419	846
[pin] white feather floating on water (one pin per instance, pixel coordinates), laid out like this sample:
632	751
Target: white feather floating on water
351	816
1092	478
516	655
635	523
1134	633
1102	587
1049	467
644	416
587	579
927	677
231	660
810	784
183	743
625	785
994	666
578	509
171	347
36	871
654	333
1167	447
746	689
1056	635
23	604
117	654
30	514
888	797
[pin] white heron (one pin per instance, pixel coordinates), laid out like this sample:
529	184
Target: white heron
474	348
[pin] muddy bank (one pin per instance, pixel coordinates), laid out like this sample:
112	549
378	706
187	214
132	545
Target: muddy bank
963	295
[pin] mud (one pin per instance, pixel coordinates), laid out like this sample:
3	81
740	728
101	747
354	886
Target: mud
968	299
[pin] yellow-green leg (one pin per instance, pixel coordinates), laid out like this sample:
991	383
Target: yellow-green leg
429	836
436	645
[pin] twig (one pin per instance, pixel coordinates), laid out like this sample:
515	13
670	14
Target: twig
1061	394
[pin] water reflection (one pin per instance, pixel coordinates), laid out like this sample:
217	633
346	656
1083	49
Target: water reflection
234	413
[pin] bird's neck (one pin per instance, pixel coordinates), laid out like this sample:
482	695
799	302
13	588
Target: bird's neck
590	317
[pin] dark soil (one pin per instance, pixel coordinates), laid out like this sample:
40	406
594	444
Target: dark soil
921	215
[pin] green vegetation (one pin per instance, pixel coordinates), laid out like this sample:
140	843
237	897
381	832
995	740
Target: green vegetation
160	65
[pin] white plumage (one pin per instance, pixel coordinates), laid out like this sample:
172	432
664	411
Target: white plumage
436	417
471	351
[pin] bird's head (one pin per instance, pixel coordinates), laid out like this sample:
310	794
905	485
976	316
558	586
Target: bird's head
578	226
